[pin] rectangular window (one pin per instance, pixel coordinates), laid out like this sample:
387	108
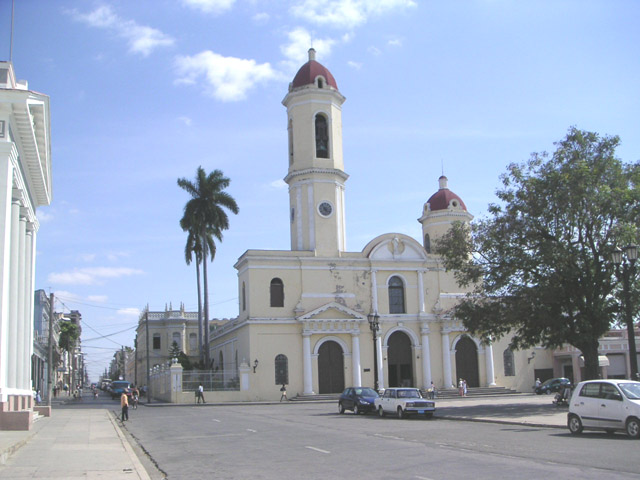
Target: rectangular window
156	342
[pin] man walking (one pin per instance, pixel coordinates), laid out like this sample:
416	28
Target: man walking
201	393
124	403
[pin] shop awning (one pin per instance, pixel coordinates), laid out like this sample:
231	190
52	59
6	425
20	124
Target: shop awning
603	361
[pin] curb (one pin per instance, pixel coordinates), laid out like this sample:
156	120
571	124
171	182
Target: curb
137	465
498	421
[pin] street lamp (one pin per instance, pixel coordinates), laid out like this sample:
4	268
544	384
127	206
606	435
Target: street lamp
374	325
628	273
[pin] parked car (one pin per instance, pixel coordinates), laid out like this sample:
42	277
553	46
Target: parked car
608	405
553	385
357	399
119	386
404	402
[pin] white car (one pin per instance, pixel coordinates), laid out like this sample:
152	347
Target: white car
403	402
607	405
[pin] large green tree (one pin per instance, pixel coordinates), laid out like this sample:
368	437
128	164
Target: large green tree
205	216
69	333
540	263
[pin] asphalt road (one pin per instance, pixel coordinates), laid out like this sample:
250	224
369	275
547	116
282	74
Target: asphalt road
312	441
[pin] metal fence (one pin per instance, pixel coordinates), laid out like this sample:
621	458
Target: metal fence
219	380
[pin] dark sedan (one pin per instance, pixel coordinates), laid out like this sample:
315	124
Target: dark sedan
357	399
553	385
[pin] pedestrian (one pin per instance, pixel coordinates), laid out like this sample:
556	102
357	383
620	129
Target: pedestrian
464	388
460	388
537	384
200	393
283	391
432	391
55	391
124	403
38	398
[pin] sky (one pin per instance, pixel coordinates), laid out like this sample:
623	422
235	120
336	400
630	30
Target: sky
144	92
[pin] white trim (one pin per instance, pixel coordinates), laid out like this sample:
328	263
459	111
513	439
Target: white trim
415	340
331	338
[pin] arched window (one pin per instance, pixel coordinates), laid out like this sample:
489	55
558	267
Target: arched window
509	363
427	243
176	338
396	295
277	293
244	298
193	343
322	137
282	370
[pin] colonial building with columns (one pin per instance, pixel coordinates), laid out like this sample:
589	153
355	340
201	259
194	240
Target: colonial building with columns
304	312
25	184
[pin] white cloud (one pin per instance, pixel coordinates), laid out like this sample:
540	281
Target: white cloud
395	42
374	51
129	312
355	65
346	13
186	120
44	217
225	78
278	184
261	18
87	257
210	6
141	38
91	276
97	298
300	40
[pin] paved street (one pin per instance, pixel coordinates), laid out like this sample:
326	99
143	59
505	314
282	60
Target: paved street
313	441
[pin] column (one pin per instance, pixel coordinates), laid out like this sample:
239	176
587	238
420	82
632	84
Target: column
355	359
307	372
30	249
446	359
13	295
421	293
488	354
426	364
6	181
22	365
381	382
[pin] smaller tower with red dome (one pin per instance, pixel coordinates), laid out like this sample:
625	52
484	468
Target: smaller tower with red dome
439	212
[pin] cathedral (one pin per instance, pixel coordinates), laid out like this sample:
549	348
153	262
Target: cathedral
318	318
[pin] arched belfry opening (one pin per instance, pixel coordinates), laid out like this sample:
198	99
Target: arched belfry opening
322	136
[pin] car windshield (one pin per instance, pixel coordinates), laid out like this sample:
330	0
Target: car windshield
408	394
631	390
366	392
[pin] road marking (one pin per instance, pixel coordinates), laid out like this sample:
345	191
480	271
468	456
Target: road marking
317	449
423	478
215	420
387	436
251	430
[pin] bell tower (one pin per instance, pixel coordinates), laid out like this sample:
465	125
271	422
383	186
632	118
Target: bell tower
316	174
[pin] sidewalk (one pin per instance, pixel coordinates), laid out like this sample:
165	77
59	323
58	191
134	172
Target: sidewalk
71	444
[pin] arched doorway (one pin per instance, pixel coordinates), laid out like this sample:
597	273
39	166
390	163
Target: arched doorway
467	361
330	368
400	360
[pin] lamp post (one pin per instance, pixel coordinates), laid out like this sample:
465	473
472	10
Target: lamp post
628	262
374	325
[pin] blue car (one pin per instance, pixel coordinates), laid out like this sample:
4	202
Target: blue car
357	399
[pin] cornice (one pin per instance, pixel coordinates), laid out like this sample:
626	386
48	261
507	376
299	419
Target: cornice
321	171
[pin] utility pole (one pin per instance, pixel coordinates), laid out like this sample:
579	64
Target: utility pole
50	353
146	322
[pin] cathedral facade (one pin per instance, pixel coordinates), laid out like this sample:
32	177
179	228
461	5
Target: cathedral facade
305	313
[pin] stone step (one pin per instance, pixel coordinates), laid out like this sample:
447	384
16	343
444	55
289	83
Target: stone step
443	393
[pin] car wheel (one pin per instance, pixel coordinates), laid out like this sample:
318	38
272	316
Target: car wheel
356	410
633	428
340	408
548	392
575	424
400	413
380	412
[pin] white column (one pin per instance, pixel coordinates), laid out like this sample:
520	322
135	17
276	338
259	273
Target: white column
13	295
30	249
426	364
374	292
381	382
355	359
488	354
6	181
421	293
307	372
22	365
446	360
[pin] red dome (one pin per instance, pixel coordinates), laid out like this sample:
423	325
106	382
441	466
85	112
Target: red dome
310	71
441	200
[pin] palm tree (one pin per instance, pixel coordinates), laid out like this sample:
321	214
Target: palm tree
204	218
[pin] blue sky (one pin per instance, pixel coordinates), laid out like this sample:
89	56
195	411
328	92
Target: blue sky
144	92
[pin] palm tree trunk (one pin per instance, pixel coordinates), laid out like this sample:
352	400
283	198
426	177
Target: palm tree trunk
200	329
205	258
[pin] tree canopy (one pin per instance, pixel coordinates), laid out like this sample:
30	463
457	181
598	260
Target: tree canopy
540	263
69	333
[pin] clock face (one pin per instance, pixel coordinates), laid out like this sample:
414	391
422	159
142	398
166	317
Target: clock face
325	209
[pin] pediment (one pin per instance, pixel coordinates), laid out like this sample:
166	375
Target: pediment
331	312
395	247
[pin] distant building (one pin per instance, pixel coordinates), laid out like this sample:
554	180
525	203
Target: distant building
40	357
25	185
